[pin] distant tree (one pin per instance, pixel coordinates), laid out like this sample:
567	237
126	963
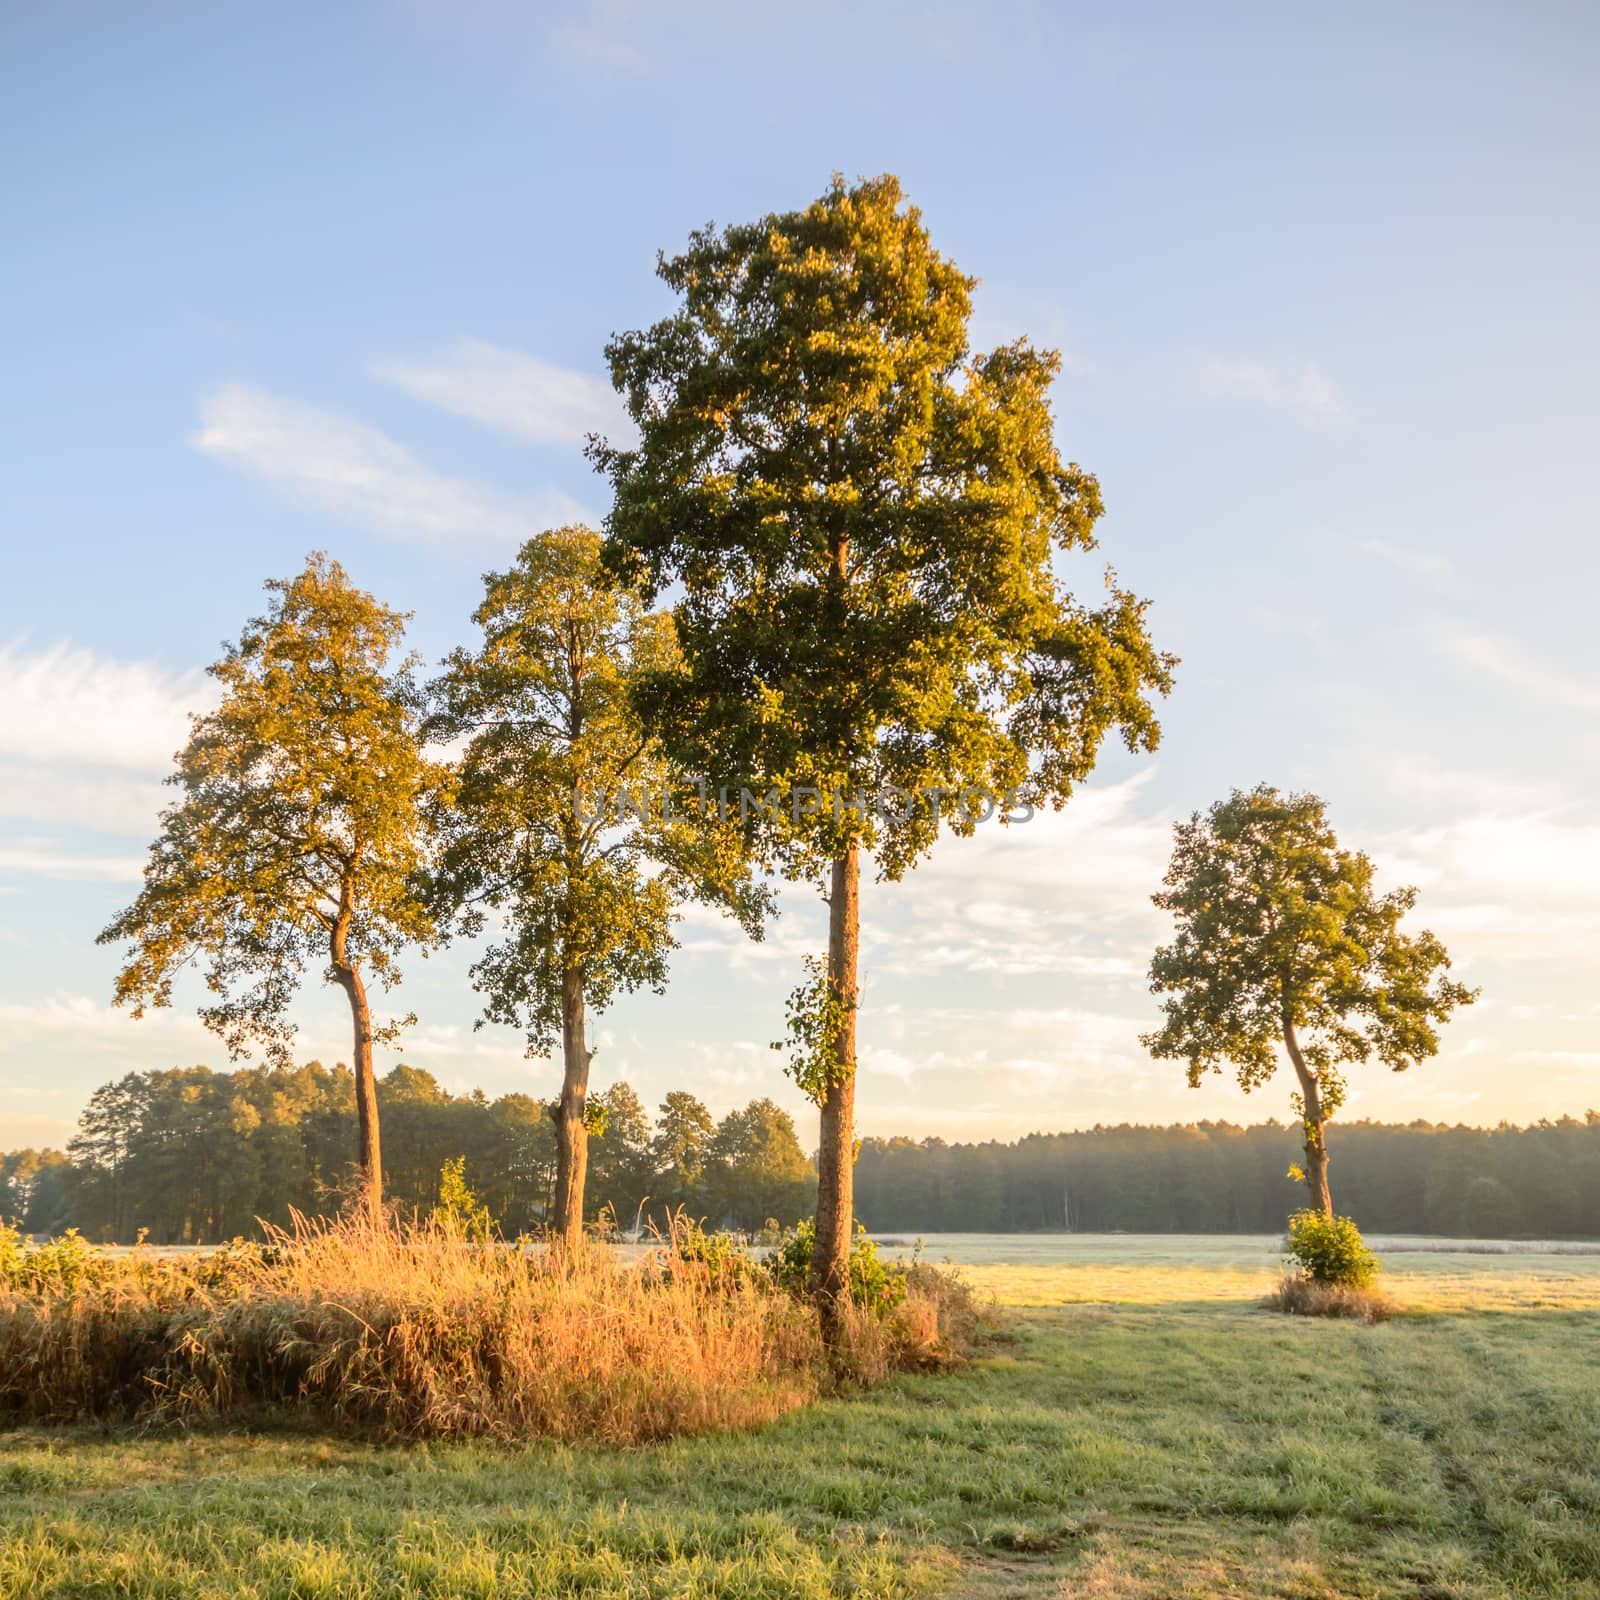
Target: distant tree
298	834
863	517
757	1169
31	1188
681	1148
624	1170
1490	1211
101	1152
1283	941
558	826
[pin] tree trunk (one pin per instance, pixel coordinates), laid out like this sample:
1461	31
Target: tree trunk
830	1259
1315	1125
572	1135
349	980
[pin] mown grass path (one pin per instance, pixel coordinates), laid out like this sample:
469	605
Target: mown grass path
1202	1449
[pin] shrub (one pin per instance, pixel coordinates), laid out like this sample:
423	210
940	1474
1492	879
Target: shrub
874	1284
61	1266
1330	1250
720	1259
459	1208
1301	1296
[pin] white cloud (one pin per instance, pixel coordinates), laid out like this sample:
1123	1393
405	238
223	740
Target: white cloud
1421	562
80	797
514	393
45	858
360	473
1067	892
1509	661
84	741
1508	887
1304	392
68	704
84	1020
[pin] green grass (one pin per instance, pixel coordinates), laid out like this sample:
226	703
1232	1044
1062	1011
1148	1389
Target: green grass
1200	1448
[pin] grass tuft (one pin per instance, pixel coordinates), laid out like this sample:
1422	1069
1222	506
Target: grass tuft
1301	1296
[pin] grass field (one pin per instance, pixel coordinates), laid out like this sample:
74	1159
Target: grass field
1159	1437
1172	1269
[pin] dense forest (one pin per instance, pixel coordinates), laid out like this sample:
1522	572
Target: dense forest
196	1156
193	1156
1215	1177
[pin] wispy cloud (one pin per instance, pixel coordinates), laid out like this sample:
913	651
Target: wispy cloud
360	473
513	393
1510	662
84	742
1510	887
46	858
65	703
1304	392
86	1019
1422	562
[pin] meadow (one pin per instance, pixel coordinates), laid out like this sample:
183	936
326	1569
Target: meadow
1174	1269
1136	1426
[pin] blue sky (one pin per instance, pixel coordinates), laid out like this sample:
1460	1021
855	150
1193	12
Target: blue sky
296	277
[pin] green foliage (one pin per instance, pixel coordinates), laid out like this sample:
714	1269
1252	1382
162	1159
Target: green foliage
58	1268
459	1209
1490	1210
298	835
874	1284
816	1016
196	1156
757	1168
1330	1250
862	514
725	1259
533	839
1280	932
681	1149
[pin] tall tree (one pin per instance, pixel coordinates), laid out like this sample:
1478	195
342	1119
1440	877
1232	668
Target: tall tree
757	1170
299	831
682	1144
559	824
862	515
1284	941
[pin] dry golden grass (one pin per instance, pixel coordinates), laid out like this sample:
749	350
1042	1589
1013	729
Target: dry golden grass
414	1332
1300	1296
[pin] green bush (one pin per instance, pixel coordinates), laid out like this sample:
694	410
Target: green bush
459	1208
873	1283
58	1267
1330	1250
725	1260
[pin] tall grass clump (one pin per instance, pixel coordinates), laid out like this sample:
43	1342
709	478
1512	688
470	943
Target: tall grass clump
419	1330
1328	1271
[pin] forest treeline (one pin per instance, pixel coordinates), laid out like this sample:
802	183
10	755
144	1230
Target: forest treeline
192	1156
1216	1177
195	1156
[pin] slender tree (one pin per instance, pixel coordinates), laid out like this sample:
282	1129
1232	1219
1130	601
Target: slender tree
560	824
682	1144
863	517
1283	941
298	833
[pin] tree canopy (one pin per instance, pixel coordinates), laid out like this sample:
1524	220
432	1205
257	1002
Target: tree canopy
1284	942
298	836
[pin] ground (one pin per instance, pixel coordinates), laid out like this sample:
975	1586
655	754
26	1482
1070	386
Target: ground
1161	1442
